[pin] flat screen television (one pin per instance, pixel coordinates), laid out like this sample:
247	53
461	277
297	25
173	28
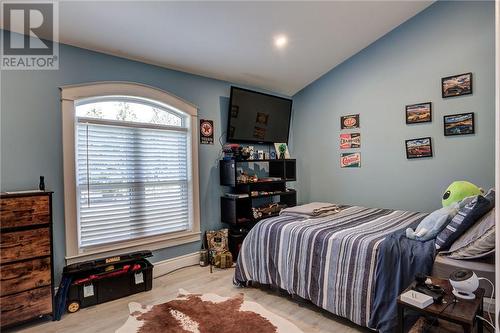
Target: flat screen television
258	117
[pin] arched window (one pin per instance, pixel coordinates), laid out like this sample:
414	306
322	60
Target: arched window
129	110
134	180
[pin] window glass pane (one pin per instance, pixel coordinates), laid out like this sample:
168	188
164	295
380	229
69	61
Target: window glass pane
130	111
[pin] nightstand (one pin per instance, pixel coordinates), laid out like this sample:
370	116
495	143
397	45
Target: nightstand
463	312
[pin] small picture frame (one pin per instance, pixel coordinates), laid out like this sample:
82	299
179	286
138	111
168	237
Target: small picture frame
350	140
281	150
456	85
419	113
458	124
418	148
349	122
350	160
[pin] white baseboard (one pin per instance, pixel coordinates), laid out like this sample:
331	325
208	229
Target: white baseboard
166	266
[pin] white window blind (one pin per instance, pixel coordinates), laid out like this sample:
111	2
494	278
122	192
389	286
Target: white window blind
132	180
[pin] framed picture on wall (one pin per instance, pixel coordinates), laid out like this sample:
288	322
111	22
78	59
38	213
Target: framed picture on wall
350	160
350	140
458	124
456	85
419	113
418	148
349	122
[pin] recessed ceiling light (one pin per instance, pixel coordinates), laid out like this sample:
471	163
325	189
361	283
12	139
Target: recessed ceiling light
280	41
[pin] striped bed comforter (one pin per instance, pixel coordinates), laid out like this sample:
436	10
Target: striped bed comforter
330	261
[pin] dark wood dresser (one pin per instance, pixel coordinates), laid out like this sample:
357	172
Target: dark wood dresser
26	271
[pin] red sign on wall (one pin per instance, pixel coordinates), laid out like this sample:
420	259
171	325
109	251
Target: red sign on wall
348	122
350	140
206	132
350	160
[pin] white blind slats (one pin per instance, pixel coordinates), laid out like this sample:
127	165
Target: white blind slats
123	177
132	182
175	220
136	189
102	203
129	235
110	210
132	214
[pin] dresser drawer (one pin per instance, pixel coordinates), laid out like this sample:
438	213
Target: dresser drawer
26	305
25	211
24	275
19	245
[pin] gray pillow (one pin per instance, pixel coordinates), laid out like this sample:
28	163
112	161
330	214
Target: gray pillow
482	247
475	232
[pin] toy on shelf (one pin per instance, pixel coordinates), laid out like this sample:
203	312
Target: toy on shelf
244	178
267	210
245	153
232	151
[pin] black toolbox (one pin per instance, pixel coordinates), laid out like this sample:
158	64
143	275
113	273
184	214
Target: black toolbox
98	281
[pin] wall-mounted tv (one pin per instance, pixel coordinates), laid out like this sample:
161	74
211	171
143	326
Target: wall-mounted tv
258	117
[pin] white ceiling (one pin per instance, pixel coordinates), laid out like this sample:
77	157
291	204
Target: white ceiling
233	41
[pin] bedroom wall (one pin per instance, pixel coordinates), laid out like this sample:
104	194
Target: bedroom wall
403	67
31	138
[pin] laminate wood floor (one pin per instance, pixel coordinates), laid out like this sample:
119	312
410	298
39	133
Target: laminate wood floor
109	316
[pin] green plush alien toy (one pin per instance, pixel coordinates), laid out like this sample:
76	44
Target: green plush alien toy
459	190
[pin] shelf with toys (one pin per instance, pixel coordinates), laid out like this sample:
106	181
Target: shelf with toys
258	188
253	173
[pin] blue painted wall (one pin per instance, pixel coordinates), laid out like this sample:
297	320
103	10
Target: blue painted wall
404	67
31	134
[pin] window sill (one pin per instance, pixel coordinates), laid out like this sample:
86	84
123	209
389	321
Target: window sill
150	243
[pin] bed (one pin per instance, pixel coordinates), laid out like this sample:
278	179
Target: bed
352	263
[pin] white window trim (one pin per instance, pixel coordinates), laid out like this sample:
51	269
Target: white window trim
72	93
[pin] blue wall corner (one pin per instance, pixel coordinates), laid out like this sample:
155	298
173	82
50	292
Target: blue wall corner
403	67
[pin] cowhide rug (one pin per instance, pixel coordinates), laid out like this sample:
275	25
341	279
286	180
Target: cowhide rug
205	313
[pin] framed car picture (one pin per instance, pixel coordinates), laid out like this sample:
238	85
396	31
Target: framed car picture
419	113
456	85
418	148
458	124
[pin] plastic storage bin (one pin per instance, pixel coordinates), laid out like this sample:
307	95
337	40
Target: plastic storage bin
98	281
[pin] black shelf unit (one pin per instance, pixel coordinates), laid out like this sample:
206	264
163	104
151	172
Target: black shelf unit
238	211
